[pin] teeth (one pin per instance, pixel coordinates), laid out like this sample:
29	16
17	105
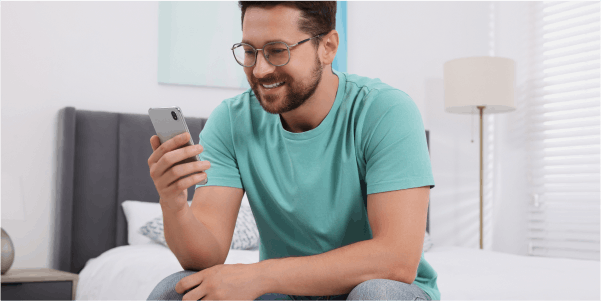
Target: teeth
273	86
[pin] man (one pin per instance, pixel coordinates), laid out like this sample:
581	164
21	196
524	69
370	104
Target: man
335	167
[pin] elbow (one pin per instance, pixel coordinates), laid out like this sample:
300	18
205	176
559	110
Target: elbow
406	274
199	263
410	278
196	267
192	266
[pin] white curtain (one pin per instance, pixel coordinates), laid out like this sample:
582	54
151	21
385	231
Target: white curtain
562	117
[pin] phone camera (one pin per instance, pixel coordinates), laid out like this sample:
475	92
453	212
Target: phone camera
174	115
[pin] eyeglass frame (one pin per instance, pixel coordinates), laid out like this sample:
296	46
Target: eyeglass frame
257	50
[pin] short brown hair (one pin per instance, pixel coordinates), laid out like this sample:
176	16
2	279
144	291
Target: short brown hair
316	17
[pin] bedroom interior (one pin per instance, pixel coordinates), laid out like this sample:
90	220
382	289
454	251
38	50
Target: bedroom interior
92	226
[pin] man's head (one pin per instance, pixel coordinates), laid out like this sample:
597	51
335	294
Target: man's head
289	22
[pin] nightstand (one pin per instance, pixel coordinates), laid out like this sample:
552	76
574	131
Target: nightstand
38	284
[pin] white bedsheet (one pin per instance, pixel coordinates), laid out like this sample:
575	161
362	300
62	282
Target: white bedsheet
472	274
132	272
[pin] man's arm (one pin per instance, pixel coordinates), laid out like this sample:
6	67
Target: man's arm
398	222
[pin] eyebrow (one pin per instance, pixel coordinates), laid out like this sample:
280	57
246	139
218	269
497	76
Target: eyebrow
274	40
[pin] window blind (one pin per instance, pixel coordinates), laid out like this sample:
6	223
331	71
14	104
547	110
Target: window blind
563	129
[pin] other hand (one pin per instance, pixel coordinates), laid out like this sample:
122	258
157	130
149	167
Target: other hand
223	282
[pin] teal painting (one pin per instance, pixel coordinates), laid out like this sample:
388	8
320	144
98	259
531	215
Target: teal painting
195	41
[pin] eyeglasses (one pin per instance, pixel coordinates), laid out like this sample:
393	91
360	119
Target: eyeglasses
276	53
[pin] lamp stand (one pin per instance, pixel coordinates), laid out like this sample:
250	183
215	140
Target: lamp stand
481	108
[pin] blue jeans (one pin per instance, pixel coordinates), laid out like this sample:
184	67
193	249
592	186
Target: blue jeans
374	289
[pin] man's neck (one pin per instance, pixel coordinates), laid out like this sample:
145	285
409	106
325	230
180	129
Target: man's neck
315	109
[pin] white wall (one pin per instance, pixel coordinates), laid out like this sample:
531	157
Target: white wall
406	45
103	56
89	55
511	201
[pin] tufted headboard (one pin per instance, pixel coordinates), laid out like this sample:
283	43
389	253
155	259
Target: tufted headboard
102	162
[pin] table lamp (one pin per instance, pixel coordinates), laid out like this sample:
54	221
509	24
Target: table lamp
479	83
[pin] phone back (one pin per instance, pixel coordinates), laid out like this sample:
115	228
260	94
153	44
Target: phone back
168	123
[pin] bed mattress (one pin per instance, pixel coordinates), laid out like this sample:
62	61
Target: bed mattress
132	272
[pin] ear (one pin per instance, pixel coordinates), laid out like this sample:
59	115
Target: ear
329	47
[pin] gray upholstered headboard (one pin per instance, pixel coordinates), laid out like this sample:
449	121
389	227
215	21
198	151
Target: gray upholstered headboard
103	161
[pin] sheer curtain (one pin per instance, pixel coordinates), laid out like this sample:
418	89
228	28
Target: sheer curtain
562	117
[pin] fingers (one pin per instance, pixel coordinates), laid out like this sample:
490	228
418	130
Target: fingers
195	293
192	173
188	283
155	142
160	149
174	168
172	163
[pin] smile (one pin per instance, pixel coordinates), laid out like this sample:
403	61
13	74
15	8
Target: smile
273	86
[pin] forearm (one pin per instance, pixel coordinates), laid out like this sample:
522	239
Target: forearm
331	273
193	244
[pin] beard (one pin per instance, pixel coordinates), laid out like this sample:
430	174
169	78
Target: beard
295	95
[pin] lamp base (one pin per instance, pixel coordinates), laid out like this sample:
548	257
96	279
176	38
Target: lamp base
8	252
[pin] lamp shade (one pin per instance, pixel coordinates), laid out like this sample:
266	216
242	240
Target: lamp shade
479	81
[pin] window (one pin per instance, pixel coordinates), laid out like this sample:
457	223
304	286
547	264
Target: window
562	115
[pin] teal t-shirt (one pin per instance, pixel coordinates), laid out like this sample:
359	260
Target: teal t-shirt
308	191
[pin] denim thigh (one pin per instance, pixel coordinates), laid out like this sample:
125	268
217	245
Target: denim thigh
331	297
165	290
386	289
374	289
274	296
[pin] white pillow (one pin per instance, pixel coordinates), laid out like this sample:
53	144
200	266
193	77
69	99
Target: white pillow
137	215
427	242
155	231
246	233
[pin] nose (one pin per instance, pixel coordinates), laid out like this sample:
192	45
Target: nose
262	66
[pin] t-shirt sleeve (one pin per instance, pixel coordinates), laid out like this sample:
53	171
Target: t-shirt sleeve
395	149
218	148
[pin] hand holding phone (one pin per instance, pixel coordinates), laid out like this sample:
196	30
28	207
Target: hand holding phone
174	164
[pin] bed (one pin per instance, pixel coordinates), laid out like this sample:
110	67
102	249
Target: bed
102	162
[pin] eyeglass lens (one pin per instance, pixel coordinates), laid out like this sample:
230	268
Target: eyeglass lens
276	53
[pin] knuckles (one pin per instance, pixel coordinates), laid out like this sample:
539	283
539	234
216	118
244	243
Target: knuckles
181	185
186	298
176	170
182	284
152	171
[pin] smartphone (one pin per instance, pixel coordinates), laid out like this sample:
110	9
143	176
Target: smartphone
169	122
